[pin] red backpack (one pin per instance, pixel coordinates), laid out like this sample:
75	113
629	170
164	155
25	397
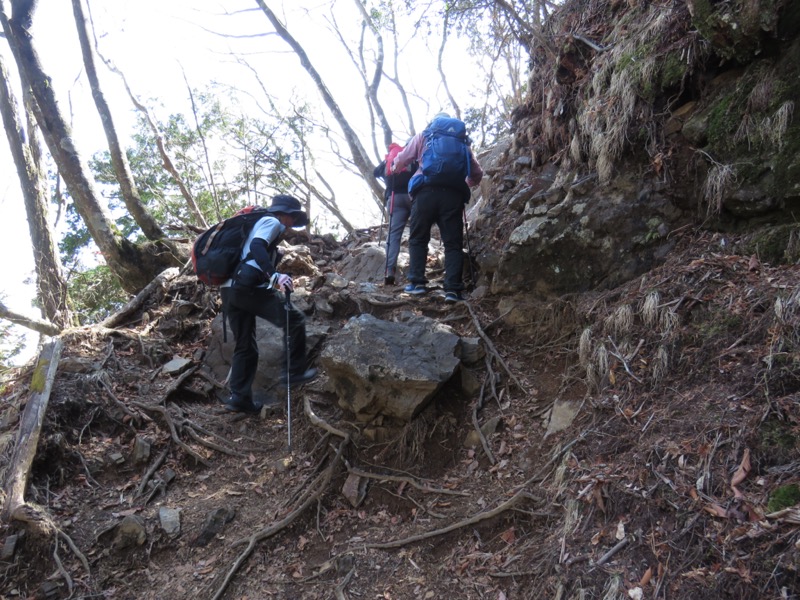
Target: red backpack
394	150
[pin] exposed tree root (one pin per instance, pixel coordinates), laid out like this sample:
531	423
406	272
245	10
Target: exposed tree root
492	349
172	429
312	493
507	505
404	479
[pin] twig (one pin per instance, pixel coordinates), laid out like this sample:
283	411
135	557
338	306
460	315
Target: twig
408	480
492	347
508	504
618	356
478	405
610	554
339	591
152	469
555	457
590	43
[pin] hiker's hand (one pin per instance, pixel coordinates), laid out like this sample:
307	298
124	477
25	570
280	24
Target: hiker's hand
282	282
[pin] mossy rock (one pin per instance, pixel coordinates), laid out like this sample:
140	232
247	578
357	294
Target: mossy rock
784	497
777	442
779	245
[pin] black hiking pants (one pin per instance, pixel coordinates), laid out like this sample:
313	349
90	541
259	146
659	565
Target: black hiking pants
242	305
444	207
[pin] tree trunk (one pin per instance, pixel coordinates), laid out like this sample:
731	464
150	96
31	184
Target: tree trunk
51	287
135	265
359	155
130	195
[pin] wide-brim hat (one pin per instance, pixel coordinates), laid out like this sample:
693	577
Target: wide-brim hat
289	205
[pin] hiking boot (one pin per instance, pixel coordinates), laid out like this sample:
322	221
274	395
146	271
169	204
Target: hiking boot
453	297
300	376
415	289
248	407
388	280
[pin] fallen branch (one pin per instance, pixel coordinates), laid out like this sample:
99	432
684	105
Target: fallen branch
30	428
158	284
508	504
490	345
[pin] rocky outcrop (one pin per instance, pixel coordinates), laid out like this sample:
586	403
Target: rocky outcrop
642	131
378	367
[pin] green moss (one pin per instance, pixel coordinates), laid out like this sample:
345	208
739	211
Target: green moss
673	70
774	245
39	377
784	497
777	442
721	122
719	324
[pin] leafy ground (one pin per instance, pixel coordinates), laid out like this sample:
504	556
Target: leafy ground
675	480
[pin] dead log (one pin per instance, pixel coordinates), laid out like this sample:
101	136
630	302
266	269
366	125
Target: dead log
158	285
30	427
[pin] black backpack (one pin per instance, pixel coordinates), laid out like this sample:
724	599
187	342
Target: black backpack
218	251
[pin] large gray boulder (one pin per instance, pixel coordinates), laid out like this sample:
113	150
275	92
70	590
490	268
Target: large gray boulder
378	367
270	351
579	236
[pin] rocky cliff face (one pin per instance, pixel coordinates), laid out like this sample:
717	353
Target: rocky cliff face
642	119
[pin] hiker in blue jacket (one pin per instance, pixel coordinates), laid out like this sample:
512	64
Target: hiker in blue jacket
398	207
255	291
438	200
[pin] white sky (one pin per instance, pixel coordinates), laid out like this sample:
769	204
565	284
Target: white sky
154	42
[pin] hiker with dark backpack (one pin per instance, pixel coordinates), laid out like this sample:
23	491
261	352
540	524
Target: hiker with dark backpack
256	289
439	189
398	207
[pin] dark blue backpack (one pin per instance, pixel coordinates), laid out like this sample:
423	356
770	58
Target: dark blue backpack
445	160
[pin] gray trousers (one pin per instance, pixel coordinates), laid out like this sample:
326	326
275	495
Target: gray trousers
399	208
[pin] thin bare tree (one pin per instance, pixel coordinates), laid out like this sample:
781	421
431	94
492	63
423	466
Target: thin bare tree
134	264
122	170
360	159
51	287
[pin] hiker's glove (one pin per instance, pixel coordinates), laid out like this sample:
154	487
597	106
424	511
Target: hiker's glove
282	282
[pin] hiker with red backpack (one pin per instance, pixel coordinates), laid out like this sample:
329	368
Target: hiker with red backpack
253	291
440	189
398	207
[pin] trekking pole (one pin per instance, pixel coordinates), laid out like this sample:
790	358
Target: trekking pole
288	373
469	248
